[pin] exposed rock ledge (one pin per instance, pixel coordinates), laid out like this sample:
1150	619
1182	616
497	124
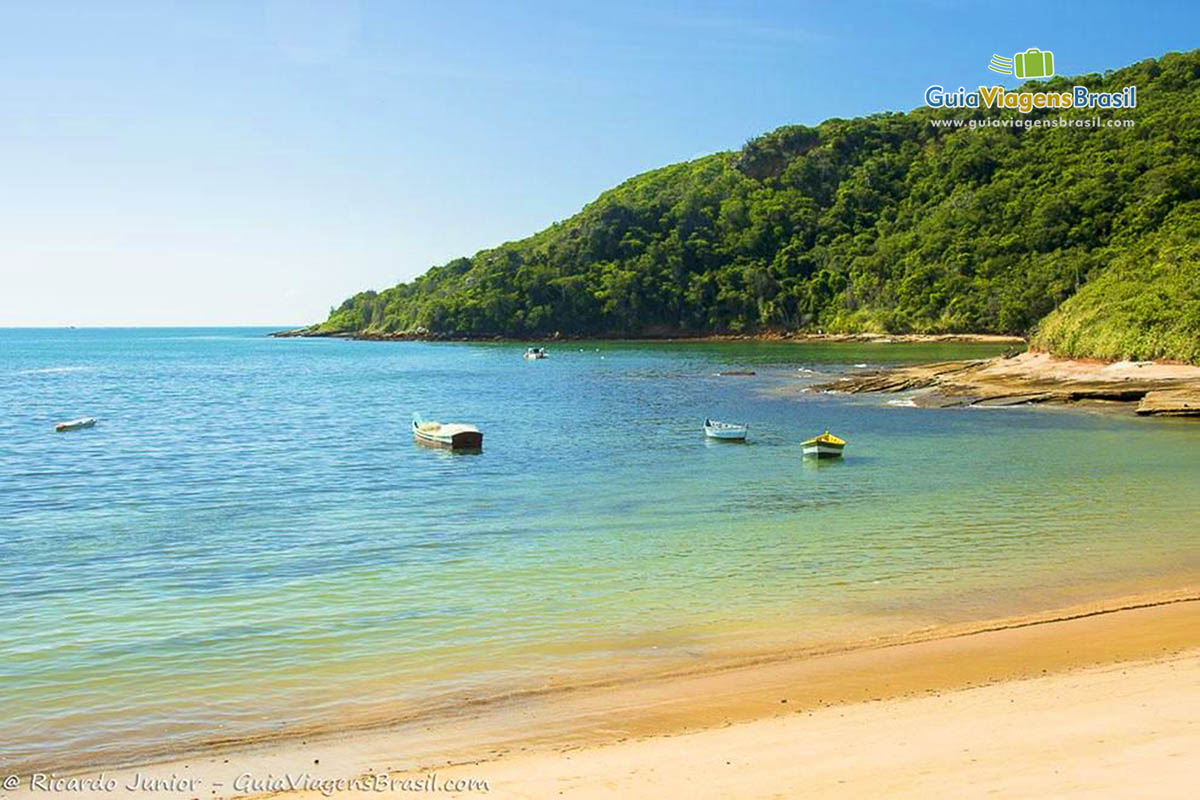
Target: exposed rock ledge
1160	389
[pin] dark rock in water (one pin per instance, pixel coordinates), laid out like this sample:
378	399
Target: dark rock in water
737	373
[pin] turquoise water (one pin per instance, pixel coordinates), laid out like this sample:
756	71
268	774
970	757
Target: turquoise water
249	542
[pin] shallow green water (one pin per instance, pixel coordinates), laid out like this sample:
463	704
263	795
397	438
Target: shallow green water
249	541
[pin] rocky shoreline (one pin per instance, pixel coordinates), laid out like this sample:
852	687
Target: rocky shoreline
768	336
1148	388
314	333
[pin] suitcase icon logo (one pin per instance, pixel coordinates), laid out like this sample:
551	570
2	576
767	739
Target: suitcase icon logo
1033	63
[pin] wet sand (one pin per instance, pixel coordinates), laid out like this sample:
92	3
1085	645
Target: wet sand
1114	731
1094	699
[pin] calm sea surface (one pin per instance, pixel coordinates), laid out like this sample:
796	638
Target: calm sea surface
249	541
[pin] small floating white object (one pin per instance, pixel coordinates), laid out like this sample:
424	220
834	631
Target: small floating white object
725	430
75	424
455	436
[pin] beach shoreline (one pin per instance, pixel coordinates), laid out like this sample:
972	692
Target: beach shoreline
593	717
1126	729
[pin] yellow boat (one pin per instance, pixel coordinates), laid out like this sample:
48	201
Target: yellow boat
824	446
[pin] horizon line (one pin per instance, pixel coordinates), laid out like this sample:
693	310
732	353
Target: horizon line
134	326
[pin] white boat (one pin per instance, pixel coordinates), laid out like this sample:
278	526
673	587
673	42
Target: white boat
536	352
75	424
824	446
725	430
455	436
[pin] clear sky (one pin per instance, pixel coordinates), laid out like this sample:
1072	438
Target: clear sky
256	162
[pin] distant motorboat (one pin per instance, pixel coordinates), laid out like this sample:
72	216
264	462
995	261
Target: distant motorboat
75	425
536	352
824	446
725	430
455	436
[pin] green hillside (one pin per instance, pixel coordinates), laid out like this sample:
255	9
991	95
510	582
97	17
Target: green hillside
1143	305
885	223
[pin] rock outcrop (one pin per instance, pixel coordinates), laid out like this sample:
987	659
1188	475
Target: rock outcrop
1158	389
1171	403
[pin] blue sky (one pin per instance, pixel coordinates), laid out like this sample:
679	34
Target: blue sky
256	162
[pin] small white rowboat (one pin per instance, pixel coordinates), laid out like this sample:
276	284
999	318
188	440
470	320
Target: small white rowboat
725	430
453	436
75	425
824	446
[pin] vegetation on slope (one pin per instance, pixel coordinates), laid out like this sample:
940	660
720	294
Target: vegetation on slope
1145	305
885	223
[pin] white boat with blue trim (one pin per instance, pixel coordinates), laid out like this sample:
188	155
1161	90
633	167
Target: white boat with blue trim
729	431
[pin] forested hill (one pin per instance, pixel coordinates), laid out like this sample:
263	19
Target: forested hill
884	223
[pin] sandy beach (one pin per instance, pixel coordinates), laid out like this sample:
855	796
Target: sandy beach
1101	700
1114	731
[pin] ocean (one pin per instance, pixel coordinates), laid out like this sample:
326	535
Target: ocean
249	544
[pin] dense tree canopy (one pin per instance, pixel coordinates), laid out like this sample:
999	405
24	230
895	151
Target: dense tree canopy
1144	305
885	223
